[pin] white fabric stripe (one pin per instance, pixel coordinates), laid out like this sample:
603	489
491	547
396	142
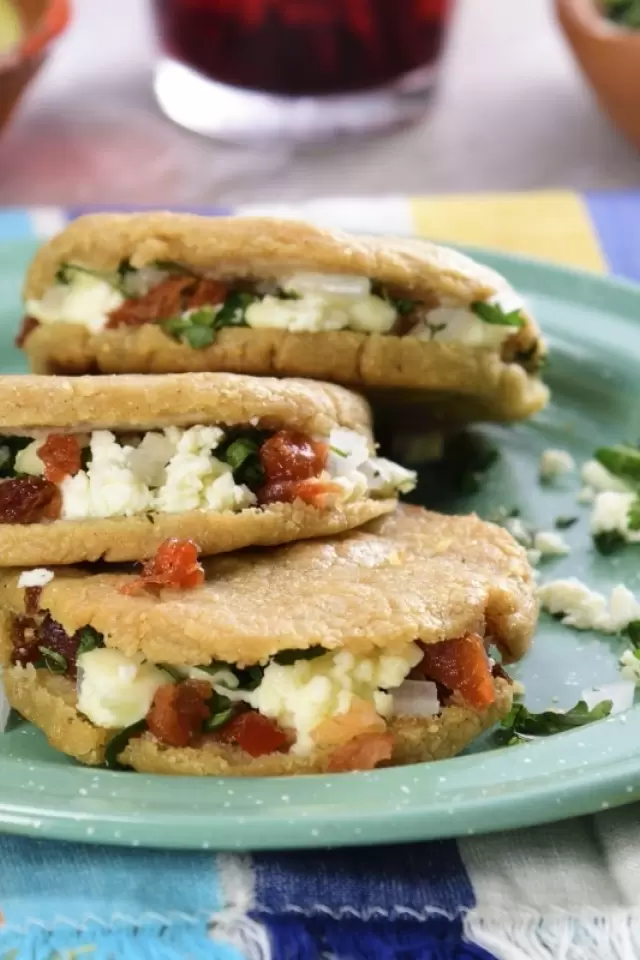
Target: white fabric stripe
232	925
560	865
618	834
47	221
557	935
359	214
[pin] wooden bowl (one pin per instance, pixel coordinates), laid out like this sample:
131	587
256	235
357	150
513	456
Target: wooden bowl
609	56
42	20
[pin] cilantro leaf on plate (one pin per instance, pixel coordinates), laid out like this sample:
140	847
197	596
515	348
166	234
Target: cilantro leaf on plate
521	724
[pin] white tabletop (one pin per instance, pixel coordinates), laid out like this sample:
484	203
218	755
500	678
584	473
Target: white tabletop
511	113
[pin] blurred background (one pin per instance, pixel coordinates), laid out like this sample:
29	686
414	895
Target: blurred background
510	110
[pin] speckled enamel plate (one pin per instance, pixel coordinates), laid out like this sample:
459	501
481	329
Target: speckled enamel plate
593	330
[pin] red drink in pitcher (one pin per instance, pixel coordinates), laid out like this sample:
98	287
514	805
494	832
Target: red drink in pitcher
298	69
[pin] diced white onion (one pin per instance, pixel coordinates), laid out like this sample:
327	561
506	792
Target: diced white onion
327	284
416	698
621	695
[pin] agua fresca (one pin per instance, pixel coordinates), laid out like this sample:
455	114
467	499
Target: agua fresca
295	48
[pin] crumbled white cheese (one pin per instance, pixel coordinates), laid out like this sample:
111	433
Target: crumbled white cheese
85	299
453	323
352	464
316	311
39	577
193	475
611	513
549	543
121	479
304	694
115	690
586	495
109	488
594	475
586	609
630	666
519	531
553	463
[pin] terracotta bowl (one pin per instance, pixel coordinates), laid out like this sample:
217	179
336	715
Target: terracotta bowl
610	59
43	20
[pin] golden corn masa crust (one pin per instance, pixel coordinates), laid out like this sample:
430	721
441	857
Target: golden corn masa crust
489	387
260	248
49	702
410	575
80	403
121	539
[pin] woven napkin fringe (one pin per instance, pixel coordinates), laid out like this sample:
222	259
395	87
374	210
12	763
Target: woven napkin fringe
556	935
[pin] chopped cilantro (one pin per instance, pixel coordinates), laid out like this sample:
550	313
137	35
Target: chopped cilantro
118	743
521	724
197	328
198	337
10	447
241	450
218	719
633	515
608	542
632	633
286	657
622	460
90	639
222	709
232	312
53	660
288	294
403	305
563	523
492	313
238	451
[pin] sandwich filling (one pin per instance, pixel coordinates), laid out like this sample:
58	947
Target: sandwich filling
192	309
72	476
296	701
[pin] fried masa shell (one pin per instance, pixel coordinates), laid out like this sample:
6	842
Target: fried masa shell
412	575
260	248
148	402
49	701
137	402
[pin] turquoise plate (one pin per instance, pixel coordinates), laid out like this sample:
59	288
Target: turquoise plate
592	326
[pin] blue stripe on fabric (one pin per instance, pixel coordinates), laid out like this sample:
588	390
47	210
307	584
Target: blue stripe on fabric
214	211
15	224
396	881
616	218
43	881
315	939
155	942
